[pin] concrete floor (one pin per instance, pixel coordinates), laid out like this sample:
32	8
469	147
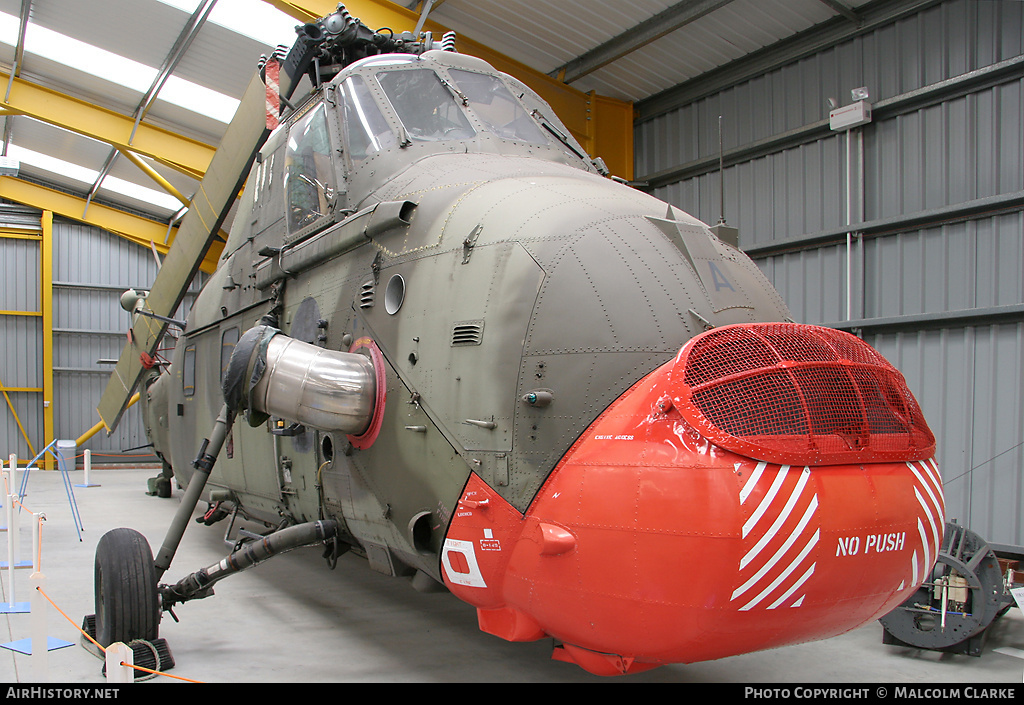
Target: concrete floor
293	620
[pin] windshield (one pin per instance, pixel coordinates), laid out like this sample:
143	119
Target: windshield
308	169
496	107
368	131
426	107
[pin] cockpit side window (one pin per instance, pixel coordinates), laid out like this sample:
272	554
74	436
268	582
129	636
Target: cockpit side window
427	108
368	130
496	107
309	172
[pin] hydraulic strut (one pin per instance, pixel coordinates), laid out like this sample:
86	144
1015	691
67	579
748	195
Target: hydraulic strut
203	464
200	583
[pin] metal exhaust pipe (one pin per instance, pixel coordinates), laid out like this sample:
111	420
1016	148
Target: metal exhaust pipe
271	374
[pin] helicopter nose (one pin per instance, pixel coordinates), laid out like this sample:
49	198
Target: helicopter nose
684	525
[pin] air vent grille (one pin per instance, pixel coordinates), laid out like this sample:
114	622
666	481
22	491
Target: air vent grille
467	333
366	295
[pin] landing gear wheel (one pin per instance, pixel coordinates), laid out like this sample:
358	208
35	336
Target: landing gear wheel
127	602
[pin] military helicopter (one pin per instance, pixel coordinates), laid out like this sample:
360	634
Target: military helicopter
461	350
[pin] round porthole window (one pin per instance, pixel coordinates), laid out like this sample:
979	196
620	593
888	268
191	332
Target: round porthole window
394	294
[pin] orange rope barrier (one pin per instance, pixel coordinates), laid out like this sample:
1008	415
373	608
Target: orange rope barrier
158	673
39	562
100	647
70	620
16	502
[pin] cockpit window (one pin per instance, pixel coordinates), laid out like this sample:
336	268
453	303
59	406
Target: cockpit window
368	130
426	107
494	104
309	173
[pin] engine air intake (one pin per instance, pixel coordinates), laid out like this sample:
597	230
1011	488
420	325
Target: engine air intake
798	394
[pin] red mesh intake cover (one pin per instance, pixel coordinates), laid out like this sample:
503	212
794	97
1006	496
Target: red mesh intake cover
798	395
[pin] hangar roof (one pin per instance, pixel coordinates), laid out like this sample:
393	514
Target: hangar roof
78	77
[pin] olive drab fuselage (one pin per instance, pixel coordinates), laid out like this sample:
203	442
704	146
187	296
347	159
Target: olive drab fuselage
434	216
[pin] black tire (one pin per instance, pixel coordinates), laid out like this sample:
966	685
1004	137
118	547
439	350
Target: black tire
127	602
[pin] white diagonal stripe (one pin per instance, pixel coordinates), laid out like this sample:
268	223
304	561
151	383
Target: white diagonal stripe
794	588
931	521
773	529
937	504
778	554
751	481
932	468
926	564
940	500
766	500
927	487
784	574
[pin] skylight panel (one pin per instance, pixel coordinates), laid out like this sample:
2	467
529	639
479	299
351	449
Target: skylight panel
60	167
117	69
251	18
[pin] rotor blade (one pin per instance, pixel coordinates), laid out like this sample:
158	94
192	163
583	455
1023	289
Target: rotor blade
209	207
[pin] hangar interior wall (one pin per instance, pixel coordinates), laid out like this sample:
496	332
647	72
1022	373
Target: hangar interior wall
91	268
933	275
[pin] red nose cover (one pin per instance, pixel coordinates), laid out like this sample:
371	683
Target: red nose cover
649	544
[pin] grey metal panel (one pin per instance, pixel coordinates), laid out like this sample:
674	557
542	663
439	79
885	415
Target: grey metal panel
969	381
561	31
19	289
812	282
20	366
949	150
935	155
87	255
20	360
974	264
959	150
91	268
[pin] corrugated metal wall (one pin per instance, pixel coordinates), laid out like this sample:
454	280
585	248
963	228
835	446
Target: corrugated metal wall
91	269
936	271
20	333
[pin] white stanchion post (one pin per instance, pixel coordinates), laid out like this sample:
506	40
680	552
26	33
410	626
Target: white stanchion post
12	525
40	641
12	532
88	469
118	653
37	541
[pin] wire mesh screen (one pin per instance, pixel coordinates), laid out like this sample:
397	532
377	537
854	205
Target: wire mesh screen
792	393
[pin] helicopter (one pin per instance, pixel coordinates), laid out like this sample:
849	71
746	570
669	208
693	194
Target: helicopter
444	338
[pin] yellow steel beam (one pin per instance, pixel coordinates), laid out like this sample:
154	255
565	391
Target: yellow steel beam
604	129
142	231
14	413
100	425
20	235
46	296
162	182
182	154
155	175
